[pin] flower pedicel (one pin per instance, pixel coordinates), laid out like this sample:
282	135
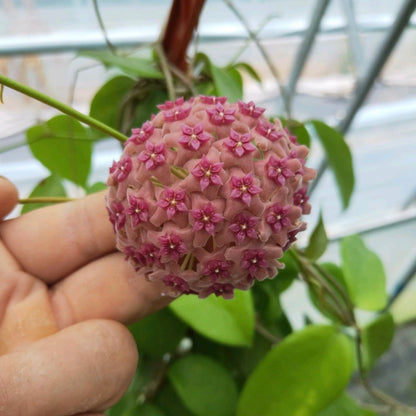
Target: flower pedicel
208	195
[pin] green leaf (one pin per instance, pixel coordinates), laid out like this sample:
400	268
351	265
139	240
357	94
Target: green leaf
148	409
339	158
158	333
51	186
298	129
205	387
244	66
345	406
147	106
227	83
63	146
133	66
96	187
376	338
228	322
364	274
300	376
318	241
168	400
107	102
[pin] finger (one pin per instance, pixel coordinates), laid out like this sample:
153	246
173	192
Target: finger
107	288
84	368
52	242
8	196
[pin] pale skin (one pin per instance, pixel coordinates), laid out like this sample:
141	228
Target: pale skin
65	293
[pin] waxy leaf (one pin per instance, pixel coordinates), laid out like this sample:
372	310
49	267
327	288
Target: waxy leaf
228	322
244	66
205	386
159	333
130	65
51	186
63	146
376	338
364	274
318	241
345	406
227	83
339	158
107	102
301	376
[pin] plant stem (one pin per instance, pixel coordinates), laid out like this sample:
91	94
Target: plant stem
273	70
83	118
265	333
164	64
102	27
45	200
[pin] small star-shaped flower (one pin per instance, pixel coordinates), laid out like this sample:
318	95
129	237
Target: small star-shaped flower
244	226
208	173
174	110
142	134
268	130
254	260
239	145
250	109
194	137
221	289
138	210
150	254
244	188
277	218
172	246
206	219
173	202
153	156
116	214
300	198
278	171
220	115
177	283
217	269
120	170
212	99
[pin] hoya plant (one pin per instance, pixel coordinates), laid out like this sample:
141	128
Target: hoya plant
206	201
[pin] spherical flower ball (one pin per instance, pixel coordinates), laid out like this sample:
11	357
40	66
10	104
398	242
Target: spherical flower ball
207	196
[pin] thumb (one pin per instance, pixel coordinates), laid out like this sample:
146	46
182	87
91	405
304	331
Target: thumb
8	196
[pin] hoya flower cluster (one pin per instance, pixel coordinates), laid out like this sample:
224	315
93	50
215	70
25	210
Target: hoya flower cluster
208	195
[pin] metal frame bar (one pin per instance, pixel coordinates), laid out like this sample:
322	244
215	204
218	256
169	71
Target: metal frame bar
306	45
377	64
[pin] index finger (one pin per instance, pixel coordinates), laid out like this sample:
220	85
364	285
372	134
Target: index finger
52	242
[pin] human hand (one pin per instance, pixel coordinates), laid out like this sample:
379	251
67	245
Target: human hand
64	291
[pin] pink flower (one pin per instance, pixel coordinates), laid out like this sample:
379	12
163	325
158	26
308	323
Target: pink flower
268	130
206	219
278	171
116	214
120	170
244	226
219	115
173	202
239	145
193	138
301	199
177	283
142	134
217	269
208	173
138	209
212	99
243	188
277	217
153	156
292	138
174	111
220	289
172	247
150	254
250	109
253	261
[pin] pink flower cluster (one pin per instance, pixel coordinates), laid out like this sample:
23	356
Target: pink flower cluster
208	195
